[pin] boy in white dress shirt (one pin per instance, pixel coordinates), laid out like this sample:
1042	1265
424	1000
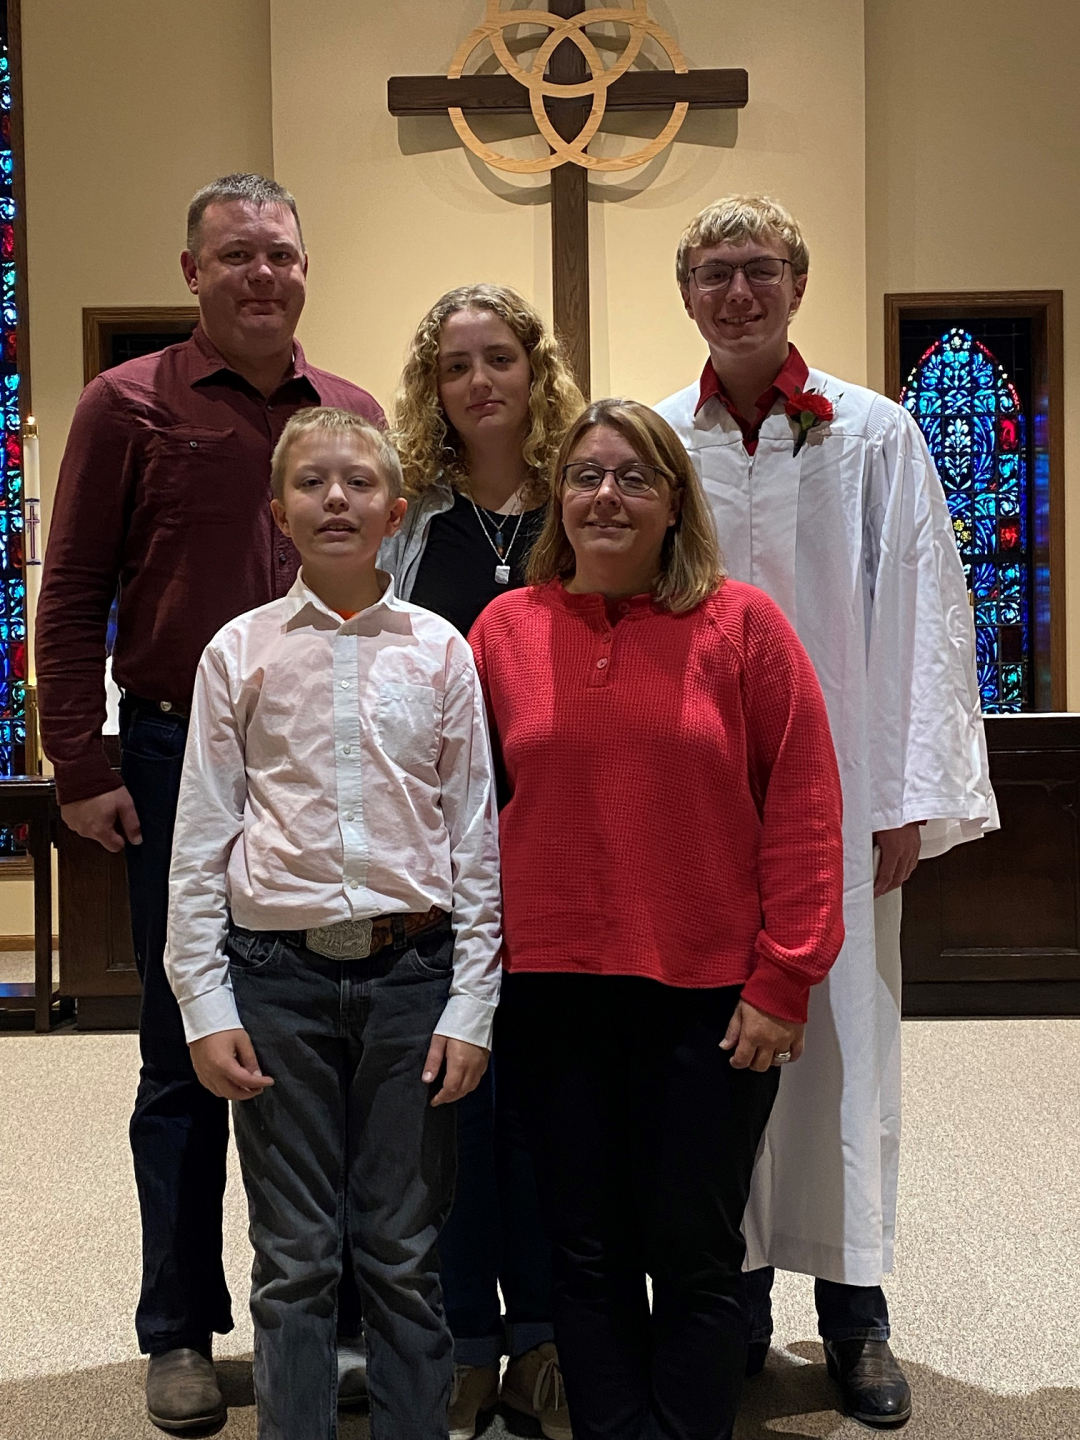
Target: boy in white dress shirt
334	933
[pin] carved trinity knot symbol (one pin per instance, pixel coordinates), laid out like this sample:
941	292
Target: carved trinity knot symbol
575	152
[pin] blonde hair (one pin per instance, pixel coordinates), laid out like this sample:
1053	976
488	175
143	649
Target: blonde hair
325	420
429	445
690	564
736	219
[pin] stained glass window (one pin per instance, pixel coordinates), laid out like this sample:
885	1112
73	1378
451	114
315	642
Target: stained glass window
974	422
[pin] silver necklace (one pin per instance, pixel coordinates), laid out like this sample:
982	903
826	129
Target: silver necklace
502	570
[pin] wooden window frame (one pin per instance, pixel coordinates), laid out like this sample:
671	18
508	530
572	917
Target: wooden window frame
1044	308
101	323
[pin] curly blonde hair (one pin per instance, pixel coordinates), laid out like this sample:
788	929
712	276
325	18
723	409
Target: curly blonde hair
691	567
429	446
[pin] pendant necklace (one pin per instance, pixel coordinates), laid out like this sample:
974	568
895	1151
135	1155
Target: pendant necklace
502	570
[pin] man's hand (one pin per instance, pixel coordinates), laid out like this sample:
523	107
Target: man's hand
110	819
899	856
757	1037
465	1066
225	1063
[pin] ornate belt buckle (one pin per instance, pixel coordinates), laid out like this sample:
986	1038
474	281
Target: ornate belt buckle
347	940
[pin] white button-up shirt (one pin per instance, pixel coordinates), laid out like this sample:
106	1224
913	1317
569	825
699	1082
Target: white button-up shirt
335	770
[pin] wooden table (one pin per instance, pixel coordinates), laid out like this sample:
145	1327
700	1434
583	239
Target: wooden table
31	800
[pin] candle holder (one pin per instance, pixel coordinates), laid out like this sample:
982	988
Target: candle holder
32	754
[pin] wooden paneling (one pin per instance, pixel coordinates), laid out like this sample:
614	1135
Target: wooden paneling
165	323
993	927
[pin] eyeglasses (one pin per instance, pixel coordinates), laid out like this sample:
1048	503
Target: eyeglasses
633	478
718	274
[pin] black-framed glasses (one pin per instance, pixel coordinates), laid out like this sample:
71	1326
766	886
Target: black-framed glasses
633	478
718	274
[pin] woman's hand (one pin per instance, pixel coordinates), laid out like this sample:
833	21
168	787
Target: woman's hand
757	1037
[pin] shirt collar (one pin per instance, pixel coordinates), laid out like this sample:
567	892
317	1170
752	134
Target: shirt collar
791	377
206	360
302	600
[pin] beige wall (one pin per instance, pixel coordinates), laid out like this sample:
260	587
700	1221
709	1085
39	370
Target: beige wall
973	113
395	212
130	106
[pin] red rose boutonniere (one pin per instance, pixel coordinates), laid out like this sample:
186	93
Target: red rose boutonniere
809	409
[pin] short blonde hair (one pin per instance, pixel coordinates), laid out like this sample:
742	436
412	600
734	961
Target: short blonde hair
325	420
429	445
690	564
736	219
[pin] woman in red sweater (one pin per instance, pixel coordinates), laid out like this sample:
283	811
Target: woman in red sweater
672	888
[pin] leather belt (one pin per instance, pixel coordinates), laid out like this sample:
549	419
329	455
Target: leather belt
357	939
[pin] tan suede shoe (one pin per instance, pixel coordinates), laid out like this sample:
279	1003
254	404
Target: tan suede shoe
533	1385
182	1391
476	1389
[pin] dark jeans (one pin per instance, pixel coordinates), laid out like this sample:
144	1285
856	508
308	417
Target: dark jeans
345	1136
644	1138
179	1131
495	1235
845	1312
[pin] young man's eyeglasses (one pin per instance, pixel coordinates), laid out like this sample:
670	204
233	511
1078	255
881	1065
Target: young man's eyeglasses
633	478
718	274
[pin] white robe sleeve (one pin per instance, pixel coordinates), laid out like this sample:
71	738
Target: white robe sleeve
927	748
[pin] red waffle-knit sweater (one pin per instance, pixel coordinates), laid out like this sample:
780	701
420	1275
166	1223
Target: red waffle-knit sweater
673	800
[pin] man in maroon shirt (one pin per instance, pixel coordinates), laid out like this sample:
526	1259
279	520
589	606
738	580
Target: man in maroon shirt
163	499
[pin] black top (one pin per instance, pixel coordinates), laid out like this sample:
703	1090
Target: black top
456	577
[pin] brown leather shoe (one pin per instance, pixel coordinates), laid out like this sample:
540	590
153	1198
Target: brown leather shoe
533	1385
871	1382
182	1392
476	1389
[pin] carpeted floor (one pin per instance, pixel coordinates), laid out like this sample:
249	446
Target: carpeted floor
985	1301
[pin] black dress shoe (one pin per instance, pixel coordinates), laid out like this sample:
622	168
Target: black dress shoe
756	1356
871	1382
182	1392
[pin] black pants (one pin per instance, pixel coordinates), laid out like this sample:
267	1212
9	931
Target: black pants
644	1139
179	1131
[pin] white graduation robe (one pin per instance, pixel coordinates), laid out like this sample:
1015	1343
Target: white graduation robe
853	540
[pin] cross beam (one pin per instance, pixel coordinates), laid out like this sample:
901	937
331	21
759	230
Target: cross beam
637	90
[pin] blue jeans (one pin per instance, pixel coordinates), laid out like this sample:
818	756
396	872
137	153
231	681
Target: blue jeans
179	1131
346	1136
845	1312
495	1236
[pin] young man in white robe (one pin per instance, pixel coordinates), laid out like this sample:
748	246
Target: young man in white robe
825	496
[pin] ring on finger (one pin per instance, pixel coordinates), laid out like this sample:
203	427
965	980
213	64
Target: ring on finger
781	1057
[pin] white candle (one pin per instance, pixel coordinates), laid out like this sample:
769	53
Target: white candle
31	537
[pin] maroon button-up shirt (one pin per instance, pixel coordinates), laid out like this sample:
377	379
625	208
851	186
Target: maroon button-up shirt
792	377
164	497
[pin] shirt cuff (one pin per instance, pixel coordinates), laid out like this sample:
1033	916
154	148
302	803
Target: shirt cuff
469	1019
84	779
209	1012
778	992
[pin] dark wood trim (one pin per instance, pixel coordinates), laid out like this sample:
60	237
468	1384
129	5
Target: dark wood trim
1045	308
11	943
107	1012
1003	1000
18	151
100	323
409	95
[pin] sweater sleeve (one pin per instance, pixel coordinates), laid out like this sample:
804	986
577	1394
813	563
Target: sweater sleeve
794	775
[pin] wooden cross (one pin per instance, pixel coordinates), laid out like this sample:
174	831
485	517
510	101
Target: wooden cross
505	95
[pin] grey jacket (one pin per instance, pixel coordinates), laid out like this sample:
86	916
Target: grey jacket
402	552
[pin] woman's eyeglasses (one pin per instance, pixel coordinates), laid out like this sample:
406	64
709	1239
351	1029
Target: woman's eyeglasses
633	478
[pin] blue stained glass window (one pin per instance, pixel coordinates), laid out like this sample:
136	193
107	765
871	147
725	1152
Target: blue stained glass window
12	587
975	427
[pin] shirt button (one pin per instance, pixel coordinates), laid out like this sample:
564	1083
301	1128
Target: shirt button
283	559
354	884
346	749
344	684
349	815
194	444
601	662
606	637
624	608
